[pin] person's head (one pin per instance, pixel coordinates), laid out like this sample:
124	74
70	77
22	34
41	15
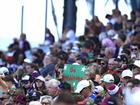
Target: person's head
62	58
48	59
120	39
109	52
40	82
135	47
112	64
132	92
121	59
108	16
127	53
53	87
88	46
4	71
134	82
104	62
46	100
23	36
126	75
26	81
19	96
107	79
65	99
116	12
55	48
136	67
129	24
9	81
30	67
109	26
93	69
85	87
47	31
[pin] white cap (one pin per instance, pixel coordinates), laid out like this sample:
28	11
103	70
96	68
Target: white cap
26	77
3	70
137	76
108	78
26	60
98	89
81	85
137	63
41	78
127	73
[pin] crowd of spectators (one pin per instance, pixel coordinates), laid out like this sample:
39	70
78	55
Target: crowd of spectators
111	53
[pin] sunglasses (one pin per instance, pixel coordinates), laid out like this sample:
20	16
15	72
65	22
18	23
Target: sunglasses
24	82
6	73
134	49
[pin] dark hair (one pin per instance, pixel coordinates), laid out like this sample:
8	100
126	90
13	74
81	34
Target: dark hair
136	44
122	37
116	79
8	79
126	51
88	44
63	55
112	101
135	82
33	65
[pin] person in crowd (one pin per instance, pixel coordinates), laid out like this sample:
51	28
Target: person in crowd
93	73
132	92
86	88
31	67
49	37
120	41
46	100
53	88
136	67
126	76
26	84
113	66
40	85
110	54
68	35
88	47
49	66
24	45
135	51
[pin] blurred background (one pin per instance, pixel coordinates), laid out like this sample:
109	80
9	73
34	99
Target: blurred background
33	16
